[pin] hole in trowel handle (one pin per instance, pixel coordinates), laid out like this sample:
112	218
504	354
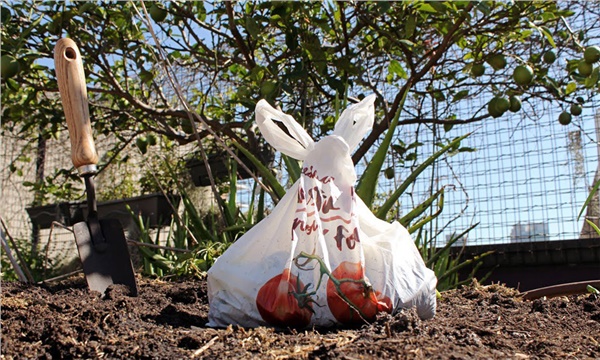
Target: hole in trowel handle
70	53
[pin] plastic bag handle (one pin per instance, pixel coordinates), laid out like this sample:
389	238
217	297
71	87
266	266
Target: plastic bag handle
356	121
297	144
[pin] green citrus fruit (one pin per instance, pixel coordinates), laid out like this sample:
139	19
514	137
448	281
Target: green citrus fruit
564	118
502	104
493	108
591	54
523	75
268	88
497	61
585	69
389	173
515	103
549	57
9	66
576	109
477	70
157	13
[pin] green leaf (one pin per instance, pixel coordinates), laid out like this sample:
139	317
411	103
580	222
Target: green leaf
410	26
13	85
460	95
439	6
426	7
589	198
571	87
466	149
292	166
448	126
25	33
483	7
268	88
396	68
592	80
543	32
548	35
200	10
453	239
252	27
419	225
407	43
592	290
594	226
421	208
231	202
146	76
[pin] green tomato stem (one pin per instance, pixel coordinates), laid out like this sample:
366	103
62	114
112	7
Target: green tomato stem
336	282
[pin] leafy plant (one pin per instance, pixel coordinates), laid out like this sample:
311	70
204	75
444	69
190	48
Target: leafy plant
588	200
37	261
446	263
178	256
194	241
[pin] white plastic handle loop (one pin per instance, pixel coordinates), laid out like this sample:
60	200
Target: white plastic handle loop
356	121
266	116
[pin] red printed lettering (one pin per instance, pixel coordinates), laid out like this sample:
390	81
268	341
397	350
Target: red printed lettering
316	197
312	173
301	195
351	240
308	229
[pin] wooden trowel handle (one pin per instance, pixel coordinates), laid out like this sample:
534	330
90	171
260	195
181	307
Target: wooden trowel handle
73	93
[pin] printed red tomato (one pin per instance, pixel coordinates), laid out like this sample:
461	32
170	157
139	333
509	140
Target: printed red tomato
282	301
354	294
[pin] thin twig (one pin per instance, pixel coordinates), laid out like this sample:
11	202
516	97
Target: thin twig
60	277
154	246
205	347
12	260
27	271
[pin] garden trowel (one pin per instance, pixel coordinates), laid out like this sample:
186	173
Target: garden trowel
101	243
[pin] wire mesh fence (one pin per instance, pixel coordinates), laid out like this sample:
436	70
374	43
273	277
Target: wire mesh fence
527	179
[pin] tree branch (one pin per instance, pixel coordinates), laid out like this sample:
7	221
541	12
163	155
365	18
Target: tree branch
238	37
381	126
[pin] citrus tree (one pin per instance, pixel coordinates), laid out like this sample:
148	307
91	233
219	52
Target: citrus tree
187	70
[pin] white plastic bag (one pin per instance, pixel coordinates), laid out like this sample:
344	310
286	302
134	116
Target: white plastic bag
321	257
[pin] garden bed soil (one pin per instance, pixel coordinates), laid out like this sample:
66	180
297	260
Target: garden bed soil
167	321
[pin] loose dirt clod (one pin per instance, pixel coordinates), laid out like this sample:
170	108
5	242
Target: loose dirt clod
167	321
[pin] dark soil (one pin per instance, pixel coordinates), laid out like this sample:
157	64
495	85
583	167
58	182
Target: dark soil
167	321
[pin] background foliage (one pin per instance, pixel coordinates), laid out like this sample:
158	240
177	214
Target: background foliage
304	56
310	58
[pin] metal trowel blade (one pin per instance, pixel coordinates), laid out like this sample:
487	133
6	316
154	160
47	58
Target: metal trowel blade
110	266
